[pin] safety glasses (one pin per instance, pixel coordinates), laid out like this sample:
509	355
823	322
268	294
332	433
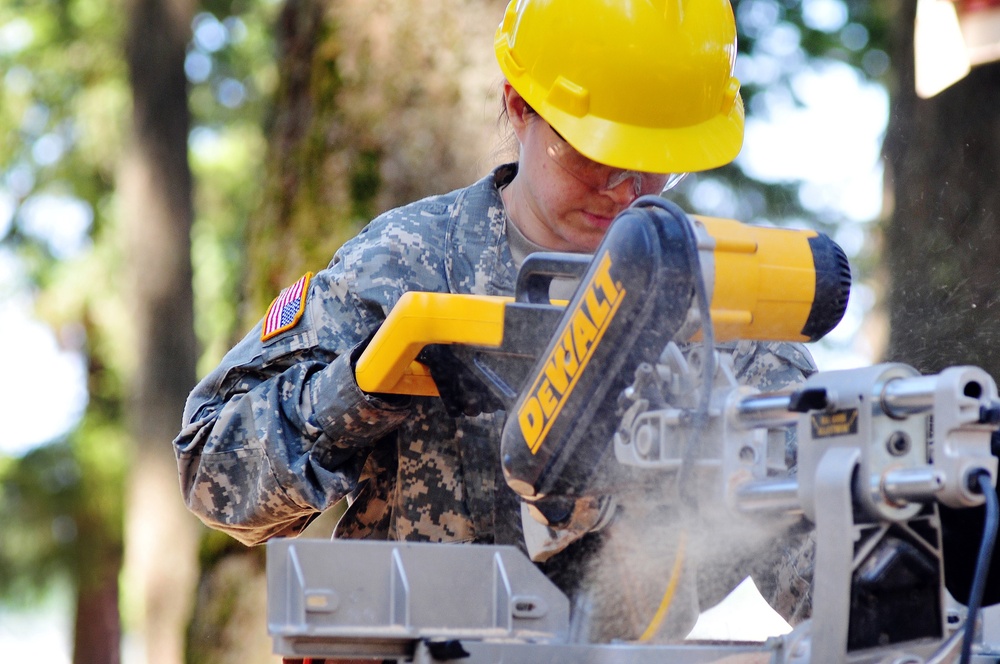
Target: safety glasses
603	178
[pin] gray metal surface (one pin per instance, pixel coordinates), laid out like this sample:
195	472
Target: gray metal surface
379	598
556	653
413	602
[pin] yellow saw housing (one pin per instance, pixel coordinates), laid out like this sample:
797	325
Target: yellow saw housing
762	281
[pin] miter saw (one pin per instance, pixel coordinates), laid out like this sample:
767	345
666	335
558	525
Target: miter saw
629	386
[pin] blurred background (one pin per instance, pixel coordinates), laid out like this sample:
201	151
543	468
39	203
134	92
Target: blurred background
167	166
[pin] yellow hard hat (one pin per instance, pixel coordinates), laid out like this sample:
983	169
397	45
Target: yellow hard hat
645	85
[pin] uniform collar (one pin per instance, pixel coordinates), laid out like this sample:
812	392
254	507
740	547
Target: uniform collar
478	255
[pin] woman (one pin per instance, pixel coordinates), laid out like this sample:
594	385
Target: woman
608	101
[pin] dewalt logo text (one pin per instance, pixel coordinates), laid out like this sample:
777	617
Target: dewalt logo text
553	385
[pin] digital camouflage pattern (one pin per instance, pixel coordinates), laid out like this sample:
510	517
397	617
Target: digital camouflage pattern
280	431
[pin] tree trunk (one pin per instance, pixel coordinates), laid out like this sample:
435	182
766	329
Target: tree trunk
156	191
229	625
379	104
97	628
942	157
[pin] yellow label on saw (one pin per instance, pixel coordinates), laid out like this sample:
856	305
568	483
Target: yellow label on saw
567	360
837	423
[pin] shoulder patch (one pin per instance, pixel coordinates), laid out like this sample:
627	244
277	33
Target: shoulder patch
286	310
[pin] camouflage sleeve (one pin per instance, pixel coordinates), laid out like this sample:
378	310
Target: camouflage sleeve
771	366
280	430
783	570
263	459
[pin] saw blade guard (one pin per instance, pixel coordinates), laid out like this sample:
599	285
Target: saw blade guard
638	295
631	302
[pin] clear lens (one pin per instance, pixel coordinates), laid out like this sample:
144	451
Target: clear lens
673	180
601	177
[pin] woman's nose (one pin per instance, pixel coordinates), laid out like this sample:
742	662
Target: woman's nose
624	192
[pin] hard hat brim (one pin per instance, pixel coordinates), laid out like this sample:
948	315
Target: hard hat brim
711	144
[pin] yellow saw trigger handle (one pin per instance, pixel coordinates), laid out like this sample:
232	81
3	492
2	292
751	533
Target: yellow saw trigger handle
388	364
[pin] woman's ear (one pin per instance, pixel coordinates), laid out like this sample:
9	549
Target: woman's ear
518	111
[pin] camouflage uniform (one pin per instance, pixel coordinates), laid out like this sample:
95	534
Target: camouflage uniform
280	431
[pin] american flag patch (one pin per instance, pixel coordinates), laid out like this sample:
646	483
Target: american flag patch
286	310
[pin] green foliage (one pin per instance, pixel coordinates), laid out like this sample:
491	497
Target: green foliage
226	165
365	181
64	97
38	496
63	510
778	38
778	41
233	75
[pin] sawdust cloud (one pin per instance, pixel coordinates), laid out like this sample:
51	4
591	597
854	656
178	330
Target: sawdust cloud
624	581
